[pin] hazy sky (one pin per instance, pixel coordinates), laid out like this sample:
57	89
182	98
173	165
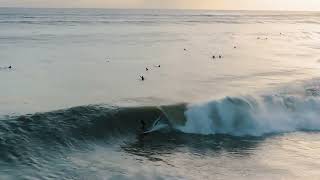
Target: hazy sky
174	4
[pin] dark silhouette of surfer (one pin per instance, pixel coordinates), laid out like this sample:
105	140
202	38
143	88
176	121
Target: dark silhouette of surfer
143	126
10	67
142	78
142	133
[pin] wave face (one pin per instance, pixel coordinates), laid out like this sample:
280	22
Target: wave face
79	122
236	116
254	116
27	134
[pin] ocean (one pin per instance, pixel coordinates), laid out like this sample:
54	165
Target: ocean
226	94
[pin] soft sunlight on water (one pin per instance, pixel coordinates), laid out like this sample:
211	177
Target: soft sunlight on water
253	113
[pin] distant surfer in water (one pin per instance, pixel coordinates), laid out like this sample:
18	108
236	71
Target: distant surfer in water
142	78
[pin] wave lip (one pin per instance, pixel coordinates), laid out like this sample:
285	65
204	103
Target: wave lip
253	116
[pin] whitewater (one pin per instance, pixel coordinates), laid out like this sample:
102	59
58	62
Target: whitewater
72	103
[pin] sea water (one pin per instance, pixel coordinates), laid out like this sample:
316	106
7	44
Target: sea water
72	103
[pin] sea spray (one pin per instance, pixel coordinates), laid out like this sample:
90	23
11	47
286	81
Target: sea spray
254	116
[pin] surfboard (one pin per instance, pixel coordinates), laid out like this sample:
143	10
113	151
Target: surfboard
156	126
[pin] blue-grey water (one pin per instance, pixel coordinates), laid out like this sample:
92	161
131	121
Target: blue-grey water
72	103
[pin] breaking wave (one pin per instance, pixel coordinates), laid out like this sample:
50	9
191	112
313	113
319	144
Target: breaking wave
235	116
254	116
238	116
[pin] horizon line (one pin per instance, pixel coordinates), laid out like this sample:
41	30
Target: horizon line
179	9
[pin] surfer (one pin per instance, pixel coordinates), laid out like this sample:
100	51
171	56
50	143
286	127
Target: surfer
143	126
142	78
10	67
142	131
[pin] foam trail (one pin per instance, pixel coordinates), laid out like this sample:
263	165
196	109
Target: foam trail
157	125
254	116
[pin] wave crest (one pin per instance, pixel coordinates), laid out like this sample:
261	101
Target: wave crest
254	116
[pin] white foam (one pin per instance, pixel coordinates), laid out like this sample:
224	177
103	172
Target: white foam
254	116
